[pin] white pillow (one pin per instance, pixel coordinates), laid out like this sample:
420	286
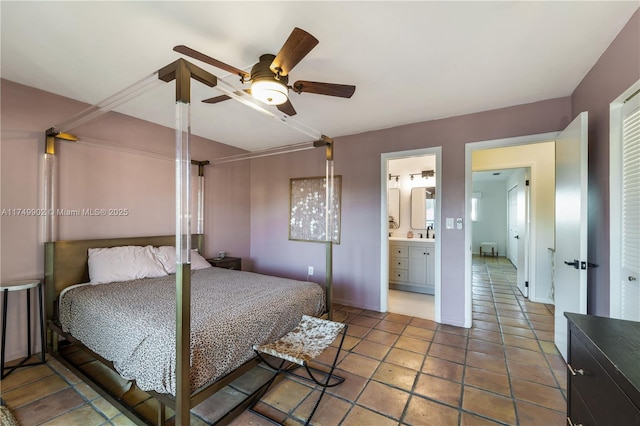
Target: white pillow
114	264
166	255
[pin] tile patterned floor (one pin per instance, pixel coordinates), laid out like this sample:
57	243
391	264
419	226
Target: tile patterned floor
398	369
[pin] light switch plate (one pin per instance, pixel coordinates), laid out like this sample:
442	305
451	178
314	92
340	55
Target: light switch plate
449	223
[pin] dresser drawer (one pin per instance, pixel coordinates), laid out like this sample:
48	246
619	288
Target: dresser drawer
579	414
606	402
399	263
399	251
398	275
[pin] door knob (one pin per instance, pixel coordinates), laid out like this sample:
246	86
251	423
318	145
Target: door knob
575	263
632	278
517	237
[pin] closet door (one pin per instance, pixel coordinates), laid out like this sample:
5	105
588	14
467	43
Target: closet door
629	263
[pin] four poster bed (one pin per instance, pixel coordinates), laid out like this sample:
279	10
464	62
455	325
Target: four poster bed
178	348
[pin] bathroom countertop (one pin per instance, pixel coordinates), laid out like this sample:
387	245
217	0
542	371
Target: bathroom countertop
414	239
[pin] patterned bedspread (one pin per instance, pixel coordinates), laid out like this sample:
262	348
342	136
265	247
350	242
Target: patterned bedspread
132	324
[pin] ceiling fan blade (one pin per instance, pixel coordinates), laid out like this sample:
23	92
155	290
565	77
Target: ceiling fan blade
297	46
287	108
329	89
221	98
216	99
209	60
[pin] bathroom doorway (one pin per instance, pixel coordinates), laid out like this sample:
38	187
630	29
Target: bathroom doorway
410	249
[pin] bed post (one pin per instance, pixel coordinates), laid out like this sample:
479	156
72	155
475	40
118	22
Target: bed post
182	72
328	222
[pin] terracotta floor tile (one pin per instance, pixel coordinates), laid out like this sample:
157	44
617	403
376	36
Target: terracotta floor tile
405	358
374	314
489	405
439	389
365	321
383	399
556	361
442	368
533	373
382	337
506	329
358	331
122	420
486	325
544	335
412	344
390	326
514	322
403	319
521	342
85	415
489	310
396	375
24	376
479	316
489	348
359	365
424	323
535	415
359	416
371	349
469	419
549	347
453	329
487	362
450	339
525	356
33	391
286	395
490	336
350	388
538	394
249	418
418	333
330	411
450	353
487	380
213	408
48	407
541	325
421	411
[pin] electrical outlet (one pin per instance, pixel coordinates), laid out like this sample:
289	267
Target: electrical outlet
310	271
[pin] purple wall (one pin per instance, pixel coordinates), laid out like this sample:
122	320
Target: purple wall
94	177
616	70
357	159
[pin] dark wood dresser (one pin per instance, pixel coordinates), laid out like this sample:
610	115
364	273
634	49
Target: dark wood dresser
226	262
603	375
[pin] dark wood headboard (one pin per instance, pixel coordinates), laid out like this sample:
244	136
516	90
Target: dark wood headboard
66	262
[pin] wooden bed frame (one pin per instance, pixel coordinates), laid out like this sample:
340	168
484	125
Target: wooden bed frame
66	264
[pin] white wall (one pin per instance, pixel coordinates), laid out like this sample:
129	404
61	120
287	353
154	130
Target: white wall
492	216
540	157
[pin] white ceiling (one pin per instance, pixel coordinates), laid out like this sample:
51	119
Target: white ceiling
411	61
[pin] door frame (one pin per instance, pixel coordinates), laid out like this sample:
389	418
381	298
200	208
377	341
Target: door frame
469	148
384	222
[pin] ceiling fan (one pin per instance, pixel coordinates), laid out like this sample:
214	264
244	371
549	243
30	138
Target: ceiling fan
270	76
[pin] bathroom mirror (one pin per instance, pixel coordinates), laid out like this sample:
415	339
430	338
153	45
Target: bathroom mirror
423	200
393	208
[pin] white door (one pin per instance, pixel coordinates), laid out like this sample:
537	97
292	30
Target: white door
571	226
512	244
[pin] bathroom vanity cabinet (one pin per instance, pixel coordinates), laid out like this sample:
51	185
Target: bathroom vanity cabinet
412	265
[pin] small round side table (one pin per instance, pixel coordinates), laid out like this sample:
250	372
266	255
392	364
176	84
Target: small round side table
5	288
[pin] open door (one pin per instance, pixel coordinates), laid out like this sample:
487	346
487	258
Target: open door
571	226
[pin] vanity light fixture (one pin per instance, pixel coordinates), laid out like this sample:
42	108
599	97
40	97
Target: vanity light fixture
397	177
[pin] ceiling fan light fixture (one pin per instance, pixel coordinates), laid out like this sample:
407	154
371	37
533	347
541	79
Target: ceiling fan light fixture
269	91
